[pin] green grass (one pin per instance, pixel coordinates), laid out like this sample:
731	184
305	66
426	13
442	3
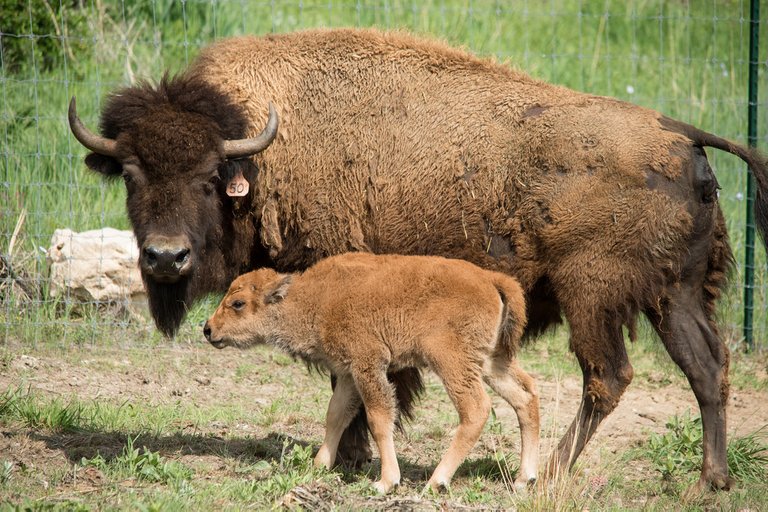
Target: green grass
141	464
679	451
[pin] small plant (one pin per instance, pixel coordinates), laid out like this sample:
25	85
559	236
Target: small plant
294	468
679	450
270	413
298	457
141	464
6	471
55	415
476	491
8	401
6	358
242	371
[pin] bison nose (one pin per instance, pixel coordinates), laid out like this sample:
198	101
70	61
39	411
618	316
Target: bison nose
207	331
165	260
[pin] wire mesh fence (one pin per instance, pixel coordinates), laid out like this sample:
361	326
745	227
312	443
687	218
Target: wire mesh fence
687	59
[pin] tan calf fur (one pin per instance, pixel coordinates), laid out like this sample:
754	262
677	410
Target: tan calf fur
361	315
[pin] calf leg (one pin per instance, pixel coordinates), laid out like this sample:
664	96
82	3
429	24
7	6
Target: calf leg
343	406
464	385
695	346
354	449
378	396
598	342
519	390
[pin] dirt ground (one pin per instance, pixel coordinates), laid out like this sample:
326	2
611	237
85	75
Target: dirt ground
199	376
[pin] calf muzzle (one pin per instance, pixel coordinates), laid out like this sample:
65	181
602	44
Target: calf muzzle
207	333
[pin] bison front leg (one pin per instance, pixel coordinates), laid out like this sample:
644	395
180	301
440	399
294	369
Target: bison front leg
597	340
354	447
696	348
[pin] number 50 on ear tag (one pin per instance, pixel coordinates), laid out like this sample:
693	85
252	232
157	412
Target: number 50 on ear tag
238	185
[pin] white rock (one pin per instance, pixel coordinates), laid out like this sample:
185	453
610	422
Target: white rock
96	266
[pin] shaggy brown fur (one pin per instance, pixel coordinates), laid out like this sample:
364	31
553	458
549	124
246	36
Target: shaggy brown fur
390	143
361	315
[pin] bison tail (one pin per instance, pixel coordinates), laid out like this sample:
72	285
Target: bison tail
513	318
757	162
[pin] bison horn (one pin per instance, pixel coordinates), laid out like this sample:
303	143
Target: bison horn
96	143
247	147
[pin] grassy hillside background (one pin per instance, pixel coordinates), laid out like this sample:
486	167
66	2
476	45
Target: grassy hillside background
687	59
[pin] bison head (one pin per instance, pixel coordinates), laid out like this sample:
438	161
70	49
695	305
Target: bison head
176	146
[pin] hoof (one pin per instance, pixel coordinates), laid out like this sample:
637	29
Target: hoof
707	485
436	487
711	483
322	460
522	485
383	487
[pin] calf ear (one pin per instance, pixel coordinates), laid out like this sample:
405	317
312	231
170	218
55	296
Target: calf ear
278	289
105	165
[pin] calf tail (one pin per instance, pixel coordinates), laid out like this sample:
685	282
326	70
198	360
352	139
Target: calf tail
756	161
513	318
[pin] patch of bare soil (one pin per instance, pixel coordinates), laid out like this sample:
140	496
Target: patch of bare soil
201	377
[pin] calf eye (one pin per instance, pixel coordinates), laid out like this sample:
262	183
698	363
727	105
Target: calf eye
237	305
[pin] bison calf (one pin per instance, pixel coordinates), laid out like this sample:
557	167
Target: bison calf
362	315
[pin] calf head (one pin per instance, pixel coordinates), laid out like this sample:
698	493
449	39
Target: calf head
246	315
176	146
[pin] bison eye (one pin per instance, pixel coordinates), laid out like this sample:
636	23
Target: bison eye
237	305
210	185
127	178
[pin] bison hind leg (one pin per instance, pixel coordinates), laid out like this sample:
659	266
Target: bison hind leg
598	342
694	345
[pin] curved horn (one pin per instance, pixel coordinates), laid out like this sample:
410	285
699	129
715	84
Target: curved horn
247	147
96	143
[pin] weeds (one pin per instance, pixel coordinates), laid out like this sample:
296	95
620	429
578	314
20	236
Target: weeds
6	472
54	415
679	451
294	468
748	457
141	464
8	402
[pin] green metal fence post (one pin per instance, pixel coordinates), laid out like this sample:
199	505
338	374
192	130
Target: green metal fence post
749	259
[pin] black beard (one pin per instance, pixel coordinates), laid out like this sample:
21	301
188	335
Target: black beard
168	304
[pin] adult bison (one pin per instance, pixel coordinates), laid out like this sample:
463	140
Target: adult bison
391	144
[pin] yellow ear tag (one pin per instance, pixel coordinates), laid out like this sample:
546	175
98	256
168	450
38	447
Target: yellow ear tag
238	185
